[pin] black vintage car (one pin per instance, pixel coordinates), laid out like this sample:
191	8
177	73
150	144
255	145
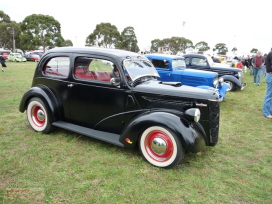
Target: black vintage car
233	76
114	96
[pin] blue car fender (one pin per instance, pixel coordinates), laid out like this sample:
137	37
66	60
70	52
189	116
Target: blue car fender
223	89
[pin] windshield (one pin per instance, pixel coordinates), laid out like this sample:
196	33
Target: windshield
210	61
137	68
18	55
178	63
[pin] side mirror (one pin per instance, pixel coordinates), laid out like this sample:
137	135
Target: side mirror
115	81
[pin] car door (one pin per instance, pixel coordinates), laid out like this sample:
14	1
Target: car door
94	101
163	68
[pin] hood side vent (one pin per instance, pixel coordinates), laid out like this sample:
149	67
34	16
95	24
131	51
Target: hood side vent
172	102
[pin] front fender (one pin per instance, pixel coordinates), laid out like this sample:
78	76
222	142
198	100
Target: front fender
192	136
233	80
46	95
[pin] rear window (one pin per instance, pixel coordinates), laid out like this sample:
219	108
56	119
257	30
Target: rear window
57	66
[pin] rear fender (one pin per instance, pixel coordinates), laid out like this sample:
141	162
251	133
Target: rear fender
192	136
46	95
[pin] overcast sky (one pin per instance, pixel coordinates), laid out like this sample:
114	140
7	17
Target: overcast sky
242	24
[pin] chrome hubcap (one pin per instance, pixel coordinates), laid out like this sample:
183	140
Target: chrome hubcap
40	115
159	146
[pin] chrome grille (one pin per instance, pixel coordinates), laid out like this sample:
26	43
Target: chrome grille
214	115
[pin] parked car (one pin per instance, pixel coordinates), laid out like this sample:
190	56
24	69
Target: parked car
233	76
16	57
121	102
32	57
173	68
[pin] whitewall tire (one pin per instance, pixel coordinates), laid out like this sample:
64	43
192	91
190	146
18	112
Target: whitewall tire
38	116
160	147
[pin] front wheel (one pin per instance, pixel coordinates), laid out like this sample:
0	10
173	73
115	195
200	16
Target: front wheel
39	116
231	84
160	147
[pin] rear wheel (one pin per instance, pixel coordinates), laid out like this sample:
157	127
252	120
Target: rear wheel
160	147
38	115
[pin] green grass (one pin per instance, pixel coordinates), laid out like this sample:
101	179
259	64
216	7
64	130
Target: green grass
72	168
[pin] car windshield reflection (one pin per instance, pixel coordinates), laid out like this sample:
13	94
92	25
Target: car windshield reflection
178	64
139	68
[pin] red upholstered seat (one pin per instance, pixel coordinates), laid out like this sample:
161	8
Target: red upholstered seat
103	76
83	74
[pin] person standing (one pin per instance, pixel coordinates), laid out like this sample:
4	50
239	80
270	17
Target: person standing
250	65
2	61
257	63
246	66
239	64
264	66
267	106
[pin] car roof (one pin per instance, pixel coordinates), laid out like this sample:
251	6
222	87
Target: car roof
195	55
164	56
96	50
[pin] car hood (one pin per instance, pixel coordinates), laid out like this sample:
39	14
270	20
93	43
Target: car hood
156	87
226	68
221	65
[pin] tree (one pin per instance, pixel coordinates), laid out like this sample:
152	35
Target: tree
68	43
155	44
202	46
254	50
174	44
221	48
8	30
184	44
104	35
234	50
128	40
40	30
4	18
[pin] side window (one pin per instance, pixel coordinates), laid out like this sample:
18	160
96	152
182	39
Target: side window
187	60
160	64
57	66
94	69
199	62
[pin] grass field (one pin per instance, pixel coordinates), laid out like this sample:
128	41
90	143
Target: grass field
67	167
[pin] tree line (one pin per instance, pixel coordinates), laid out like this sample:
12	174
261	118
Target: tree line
44	31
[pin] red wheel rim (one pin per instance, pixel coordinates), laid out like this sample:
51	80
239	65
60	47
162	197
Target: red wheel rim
36	116
159	157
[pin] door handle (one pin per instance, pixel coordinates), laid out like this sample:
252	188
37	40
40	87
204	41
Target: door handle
70	85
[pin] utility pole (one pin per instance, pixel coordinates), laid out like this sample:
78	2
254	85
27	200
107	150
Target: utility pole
13	40
183	25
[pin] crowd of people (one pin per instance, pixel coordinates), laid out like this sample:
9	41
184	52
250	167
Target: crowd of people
259	64
255	63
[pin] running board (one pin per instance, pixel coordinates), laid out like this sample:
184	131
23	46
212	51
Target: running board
100	135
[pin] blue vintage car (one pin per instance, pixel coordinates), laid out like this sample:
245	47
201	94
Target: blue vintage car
172	68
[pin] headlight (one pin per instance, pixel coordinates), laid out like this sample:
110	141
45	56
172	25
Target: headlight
193	114
221	81
215	82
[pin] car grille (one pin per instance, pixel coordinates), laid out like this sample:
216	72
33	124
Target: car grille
214	113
